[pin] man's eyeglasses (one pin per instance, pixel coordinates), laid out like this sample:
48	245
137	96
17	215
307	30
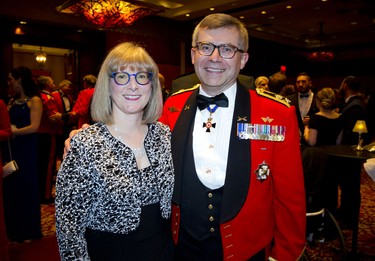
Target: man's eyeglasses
123	78
226	51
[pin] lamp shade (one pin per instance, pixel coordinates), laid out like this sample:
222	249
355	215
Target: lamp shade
360	127
109	13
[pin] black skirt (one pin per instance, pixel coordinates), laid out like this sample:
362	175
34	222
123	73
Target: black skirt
152	240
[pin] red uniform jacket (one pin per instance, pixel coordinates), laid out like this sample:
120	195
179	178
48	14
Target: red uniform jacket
50	107
59	102
256	214
81	108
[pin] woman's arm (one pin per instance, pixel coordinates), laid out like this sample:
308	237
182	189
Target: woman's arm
310	135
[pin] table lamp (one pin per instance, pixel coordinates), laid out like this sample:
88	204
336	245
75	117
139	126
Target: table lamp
360	127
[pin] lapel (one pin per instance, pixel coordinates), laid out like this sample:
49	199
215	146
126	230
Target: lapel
237	180
180	137
294	99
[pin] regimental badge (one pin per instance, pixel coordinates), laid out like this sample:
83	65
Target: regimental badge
262	172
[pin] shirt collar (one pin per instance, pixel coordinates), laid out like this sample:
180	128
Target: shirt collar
230	93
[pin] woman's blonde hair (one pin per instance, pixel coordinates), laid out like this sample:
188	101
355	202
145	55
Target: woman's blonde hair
259	80
326	98
133	57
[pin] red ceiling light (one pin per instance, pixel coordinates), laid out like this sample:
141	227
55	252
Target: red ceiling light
321	56
109	13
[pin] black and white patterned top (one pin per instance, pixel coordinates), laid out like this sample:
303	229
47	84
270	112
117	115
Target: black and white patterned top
100	187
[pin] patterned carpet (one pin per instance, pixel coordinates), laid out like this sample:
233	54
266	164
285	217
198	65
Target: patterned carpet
321	251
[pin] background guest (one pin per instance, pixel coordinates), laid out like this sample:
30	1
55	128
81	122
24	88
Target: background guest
81	110
287	90
49	130
303	100
65	104
353	109
262	83
21	193
5	133
325	127
277	82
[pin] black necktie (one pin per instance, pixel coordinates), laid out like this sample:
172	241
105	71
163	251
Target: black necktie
304	95
220	100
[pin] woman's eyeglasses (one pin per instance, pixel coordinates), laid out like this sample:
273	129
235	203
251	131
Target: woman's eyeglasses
123	78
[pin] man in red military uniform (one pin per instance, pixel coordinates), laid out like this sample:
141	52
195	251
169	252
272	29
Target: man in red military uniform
81	110
48	132
239	189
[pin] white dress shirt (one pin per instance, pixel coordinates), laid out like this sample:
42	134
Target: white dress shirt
305	103
211	148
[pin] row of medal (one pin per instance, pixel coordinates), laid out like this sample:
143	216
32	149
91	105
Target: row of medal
248	131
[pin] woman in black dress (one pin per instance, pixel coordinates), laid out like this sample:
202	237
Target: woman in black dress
21	196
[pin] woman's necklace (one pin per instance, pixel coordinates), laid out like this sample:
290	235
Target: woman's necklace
22	101
138	152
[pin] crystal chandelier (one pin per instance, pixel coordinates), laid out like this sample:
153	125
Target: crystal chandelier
41	57
109	13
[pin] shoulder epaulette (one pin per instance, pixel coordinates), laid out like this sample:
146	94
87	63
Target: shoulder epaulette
273	96
186	90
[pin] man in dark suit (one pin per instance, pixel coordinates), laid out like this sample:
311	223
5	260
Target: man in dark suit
239	190
304	101
354	108
189	80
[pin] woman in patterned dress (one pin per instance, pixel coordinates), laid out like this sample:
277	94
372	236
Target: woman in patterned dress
114	187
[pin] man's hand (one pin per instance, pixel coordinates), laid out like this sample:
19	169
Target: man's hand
71	134
55	117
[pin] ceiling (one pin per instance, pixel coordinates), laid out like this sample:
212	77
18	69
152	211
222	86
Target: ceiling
299	23
304	24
